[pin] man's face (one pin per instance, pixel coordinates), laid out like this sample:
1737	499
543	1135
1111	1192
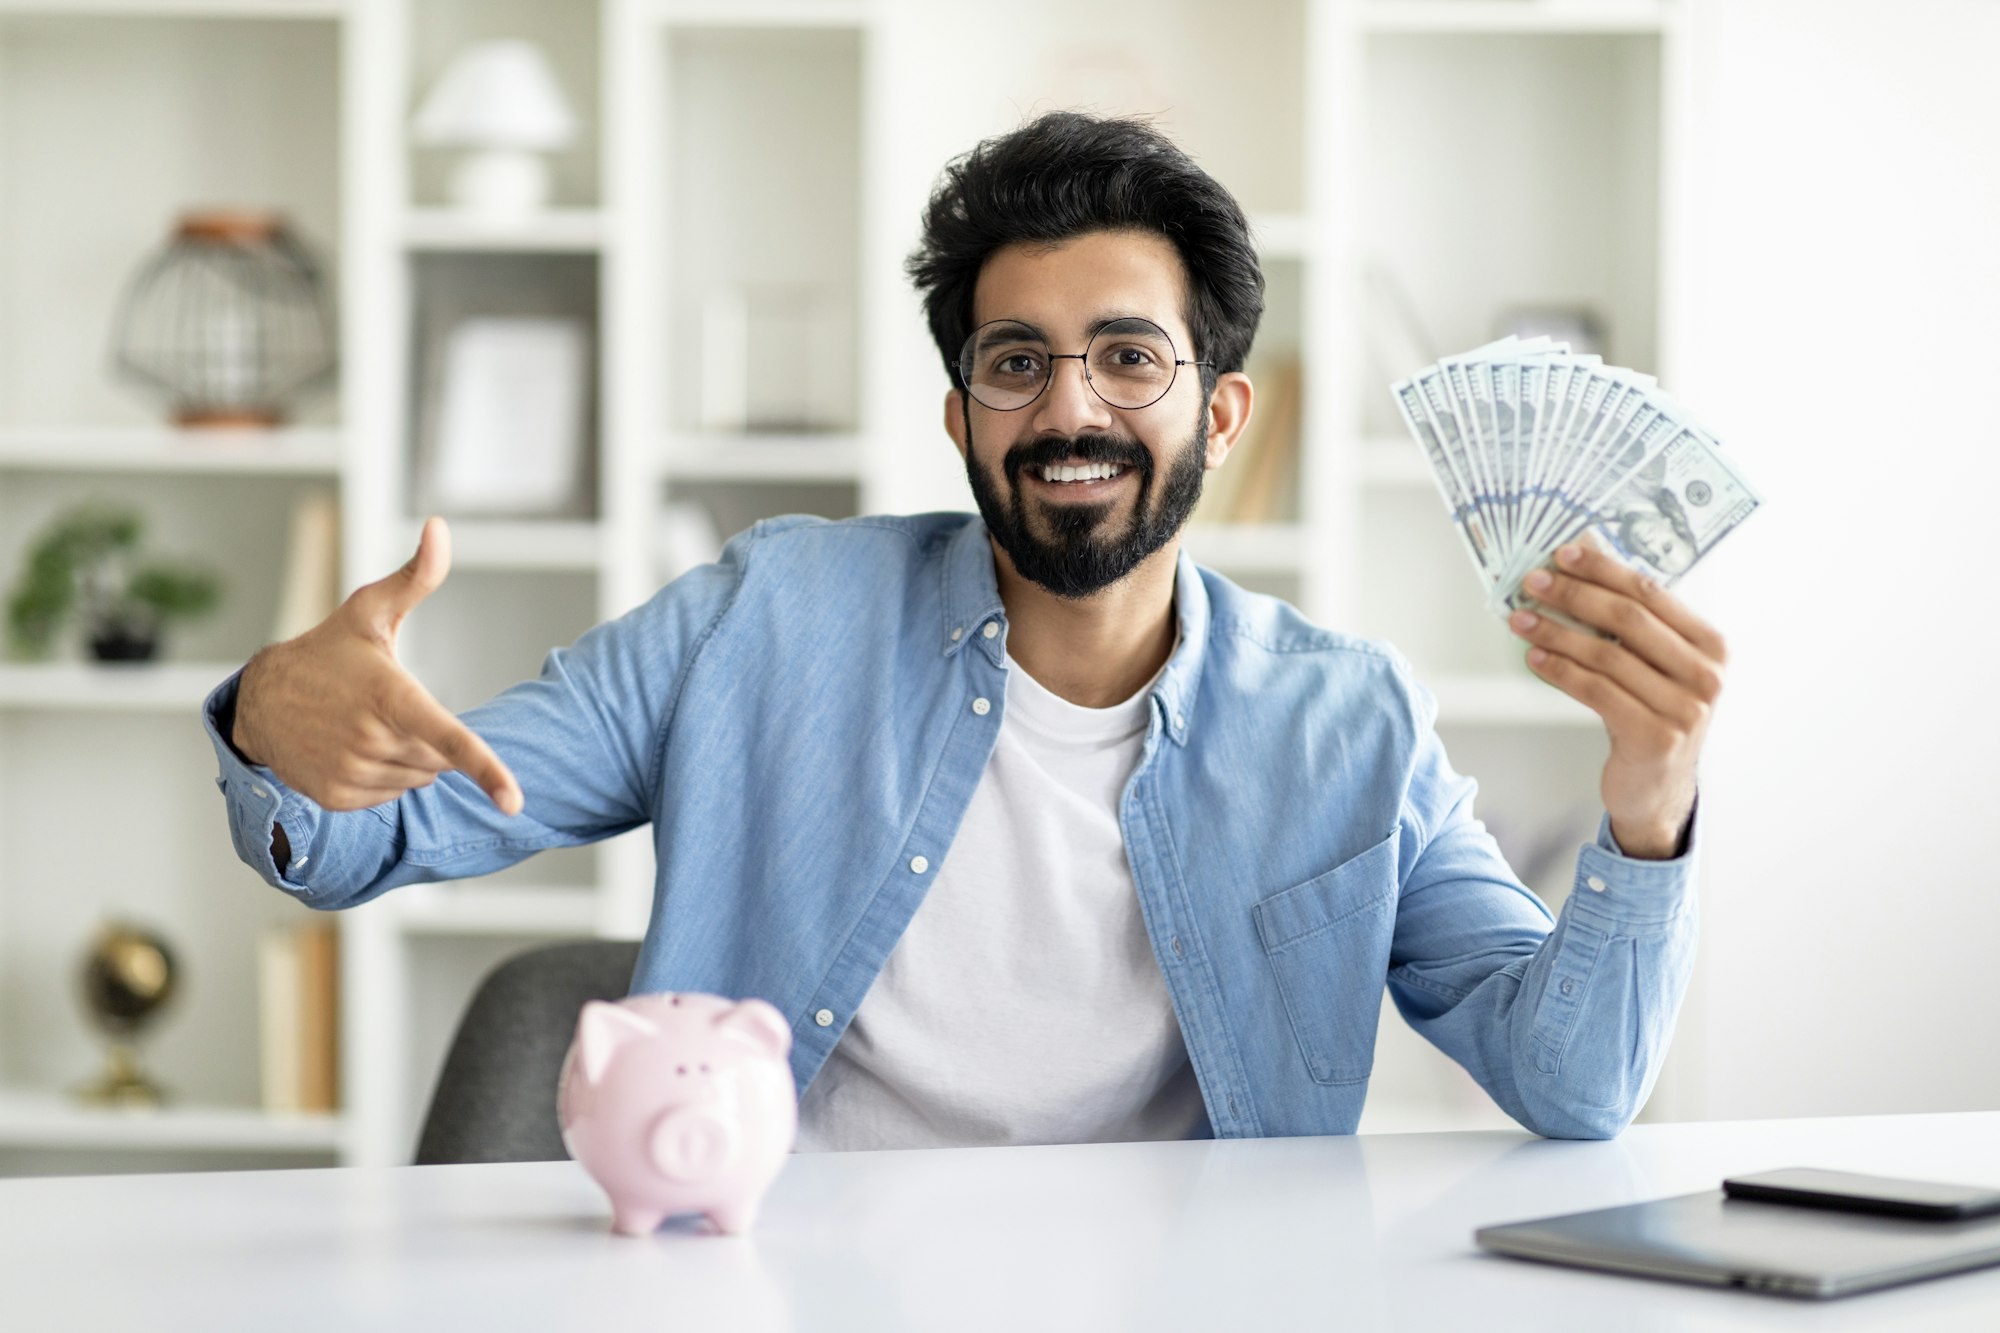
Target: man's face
1653	537
1077	537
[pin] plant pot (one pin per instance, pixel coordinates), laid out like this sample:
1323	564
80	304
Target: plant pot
118	643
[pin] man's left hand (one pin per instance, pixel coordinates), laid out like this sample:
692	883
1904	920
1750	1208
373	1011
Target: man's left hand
1655	683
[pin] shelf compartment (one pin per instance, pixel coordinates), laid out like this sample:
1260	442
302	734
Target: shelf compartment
296	451
155	103
40	1119
763	287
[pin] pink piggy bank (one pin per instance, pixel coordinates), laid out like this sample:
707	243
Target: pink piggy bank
679	1103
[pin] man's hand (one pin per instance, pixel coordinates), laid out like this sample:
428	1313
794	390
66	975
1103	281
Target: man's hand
1654	684
335	716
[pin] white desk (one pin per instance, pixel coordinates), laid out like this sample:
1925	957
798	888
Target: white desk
1333	1233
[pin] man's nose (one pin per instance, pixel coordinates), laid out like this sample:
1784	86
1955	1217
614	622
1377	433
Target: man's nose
1069	406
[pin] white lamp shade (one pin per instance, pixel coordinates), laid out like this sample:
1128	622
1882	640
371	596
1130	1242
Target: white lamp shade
498	94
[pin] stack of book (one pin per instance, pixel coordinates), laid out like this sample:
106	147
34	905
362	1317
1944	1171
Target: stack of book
298	980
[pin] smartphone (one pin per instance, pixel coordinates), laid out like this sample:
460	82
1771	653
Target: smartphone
1813	1188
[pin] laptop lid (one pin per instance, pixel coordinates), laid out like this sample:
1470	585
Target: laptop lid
1775	1247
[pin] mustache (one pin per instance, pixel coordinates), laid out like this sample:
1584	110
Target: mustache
1085	448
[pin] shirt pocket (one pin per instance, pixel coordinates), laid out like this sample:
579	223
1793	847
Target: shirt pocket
1328	944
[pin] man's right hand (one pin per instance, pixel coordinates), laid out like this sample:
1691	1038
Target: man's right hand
338	719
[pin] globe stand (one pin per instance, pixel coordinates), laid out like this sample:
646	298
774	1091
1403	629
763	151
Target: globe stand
122	1083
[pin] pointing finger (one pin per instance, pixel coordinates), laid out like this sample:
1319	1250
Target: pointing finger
423	718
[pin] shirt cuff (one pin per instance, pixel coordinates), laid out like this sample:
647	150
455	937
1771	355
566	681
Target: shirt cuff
1624	892
257	800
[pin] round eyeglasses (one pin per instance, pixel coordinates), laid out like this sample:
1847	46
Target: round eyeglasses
1129	363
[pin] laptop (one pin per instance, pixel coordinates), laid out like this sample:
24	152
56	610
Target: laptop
1772	1247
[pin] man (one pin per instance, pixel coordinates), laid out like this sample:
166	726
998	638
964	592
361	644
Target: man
1034	830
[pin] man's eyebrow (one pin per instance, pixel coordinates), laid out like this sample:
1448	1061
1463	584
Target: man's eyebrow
1014	326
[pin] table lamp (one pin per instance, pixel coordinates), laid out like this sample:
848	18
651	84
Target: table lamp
499	101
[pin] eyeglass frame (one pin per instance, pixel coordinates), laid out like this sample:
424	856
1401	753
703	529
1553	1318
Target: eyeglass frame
958	367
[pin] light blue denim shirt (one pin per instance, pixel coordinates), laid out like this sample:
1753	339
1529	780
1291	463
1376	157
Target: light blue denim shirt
803	724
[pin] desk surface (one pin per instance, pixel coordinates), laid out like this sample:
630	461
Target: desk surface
1264	1234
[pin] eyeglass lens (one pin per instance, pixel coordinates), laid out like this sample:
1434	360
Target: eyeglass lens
1129	362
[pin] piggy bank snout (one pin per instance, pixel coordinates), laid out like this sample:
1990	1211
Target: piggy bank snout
692	1143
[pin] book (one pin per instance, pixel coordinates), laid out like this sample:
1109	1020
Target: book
298	979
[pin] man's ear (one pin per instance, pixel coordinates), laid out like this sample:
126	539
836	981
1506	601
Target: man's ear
1228	413
954	418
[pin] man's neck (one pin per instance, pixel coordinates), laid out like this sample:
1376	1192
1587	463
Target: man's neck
1100	650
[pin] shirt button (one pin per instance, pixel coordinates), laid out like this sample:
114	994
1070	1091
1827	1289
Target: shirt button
1177	946
981	707
1568	986
992	629
301	860
1595	884
259	791
1180	723
919	864
824	1018
957	633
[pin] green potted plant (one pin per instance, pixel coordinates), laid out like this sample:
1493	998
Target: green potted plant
84	565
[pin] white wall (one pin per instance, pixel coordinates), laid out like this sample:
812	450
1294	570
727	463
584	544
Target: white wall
1844	273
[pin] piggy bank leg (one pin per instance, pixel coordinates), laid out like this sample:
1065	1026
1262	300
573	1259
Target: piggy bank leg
733	1219
635	1219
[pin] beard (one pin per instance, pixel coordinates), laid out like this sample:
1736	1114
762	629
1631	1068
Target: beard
1083	553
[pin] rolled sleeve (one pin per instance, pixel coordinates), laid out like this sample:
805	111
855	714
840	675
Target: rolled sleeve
256	800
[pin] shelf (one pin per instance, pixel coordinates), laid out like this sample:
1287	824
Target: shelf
549	543
1498	700
472	908
556	231
169	687
292	451
764	458
239	9
33	1119
1507	16
1278	547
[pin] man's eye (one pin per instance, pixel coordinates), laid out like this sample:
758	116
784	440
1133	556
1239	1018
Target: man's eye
1018	363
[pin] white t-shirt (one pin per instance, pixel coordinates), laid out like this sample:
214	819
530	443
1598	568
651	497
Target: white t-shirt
1023	1004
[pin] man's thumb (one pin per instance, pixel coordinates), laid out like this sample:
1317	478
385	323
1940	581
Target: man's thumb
422	575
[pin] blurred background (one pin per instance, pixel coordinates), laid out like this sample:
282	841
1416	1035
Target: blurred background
605	281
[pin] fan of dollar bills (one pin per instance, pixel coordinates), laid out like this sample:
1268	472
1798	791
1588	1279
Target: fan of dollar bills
1532	447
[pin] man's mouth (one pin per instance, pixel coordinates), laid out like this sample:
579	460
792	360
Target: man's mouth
1079	476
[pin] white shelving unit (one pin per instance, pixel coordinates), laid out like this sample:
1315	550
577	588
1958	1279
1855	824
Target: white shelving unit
773	140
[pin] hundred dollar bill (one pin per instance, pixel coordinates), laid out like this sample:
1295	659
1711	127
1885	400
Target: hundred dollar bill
1673	510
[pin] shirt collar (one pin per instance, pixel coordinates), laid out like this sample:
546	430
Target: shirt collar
972	599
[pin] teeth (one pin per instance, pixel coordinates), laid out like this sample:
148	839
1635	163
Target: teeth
1090	472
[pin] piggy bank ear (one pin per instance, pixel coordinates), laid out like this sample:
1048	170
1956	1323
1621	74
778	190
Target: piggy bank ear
601	1029
760	1024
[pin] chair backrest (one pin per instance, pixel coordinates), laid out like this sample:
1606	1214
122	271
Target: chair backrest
495	1099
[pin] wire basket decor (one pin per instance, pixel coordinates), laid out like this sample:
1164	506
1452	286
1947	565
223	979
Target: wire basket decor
229	321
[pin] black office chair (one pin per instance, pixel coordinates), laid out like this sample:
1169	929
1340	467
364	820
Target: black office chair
495	1099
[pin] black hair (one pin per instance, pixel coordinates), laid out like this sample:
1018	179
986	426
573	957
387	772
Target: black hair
1066	174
